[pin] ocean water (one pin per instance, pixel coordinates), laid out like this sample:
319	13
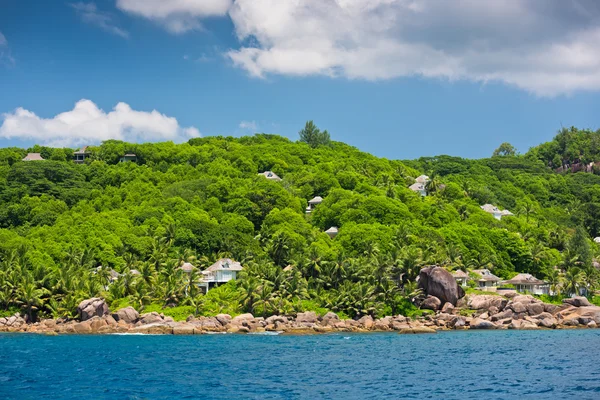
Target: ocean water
450	365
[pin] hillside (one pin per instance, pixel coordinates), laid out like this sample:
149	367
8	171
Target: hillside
203	200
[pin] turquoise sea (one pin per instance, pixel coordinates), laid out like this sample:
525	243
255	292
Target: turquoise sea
450	365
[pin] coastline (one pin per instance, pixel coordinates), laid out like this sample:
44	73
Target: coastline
520	312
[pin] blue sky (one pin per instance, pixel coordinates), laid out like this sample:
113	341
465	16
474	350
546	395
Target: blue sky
403	87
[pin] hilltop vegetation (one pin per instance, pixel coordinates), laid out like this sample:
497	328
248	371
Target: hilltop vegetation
204	199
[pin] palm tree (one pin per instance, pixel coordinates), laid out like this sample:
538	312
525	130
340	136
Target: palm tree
572	281
589	279
527	209
31	299
554	280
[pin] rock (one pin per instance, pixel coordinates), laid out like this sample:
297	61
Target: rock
436	281
535	308
448	308
525	299
478	323
457	322
330	318
592	324
307	317
92	307
240	319
507	313
517	307
549	322
183	329
578	301
82	327
431	303
575	313
382	324
522	325
150	318
96	323
366	322
550	308
223	319
110	320
415	330
485	302
128	314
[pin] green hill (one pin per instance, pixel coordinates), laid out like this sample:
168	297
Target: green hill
205	199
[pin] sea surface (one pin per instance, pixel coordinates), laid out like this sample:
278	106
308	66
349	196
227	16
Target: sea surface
449	365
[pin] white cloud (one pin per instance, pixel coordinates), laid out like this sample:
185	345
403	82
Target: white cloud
6	57
249	125
177	16
546	47
90	14
86	123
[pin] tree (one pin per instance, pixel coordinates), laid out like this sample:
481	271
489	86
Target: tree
313	135
579	246
505	149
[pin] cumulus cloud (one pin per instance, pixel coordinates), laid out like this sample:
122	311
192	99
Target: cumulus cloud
249	125
90	14
86	123
177	16
546	47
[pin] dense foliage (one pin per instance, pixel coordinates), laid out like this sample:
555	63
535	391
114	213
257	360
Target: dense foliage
64	227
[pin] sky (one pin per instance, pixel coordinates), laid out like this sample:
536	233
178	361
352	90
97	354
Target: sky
397	78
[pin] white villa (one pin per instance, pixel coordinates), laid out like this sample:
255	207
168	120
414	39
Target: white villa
312	203
270	175
486	281
332	232
223	271
33	157
495	211
420	185
461	277
528	283
80	155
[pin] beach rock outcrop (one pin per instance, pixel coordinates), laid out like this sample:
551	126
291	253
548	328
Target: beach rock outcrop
91	308
436	281
309	317
486	302
128	314
432	303
479	323
578	301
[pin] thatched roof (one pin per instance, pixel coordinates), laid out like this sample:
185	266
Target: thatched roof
316	200
492	209
460	274
422	179
417	187
33	157
332	232
270	175
225	264
486	275
524	279
187	267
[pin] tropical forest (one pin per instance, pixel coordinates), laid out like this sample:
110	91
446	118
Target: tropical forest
121	227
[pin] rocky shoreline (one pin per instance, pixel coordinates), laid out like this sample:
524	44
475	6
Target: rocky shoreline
514	311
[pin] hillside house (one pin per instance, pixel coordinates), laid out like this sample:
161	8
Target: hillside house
187	268
80	155
486	280
130	157
528	283
33	157
312	203
461	277
495	211
270	175
332	232
597	239
222	271
420	185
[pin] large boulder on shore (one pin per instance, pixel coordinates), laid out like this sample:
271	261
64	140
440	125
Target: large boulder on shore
436	281
431	303
127	314
578	301
94	307
485	302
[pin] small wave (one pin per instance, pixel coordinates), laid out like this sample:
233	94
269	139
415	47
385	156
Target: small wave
268	333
